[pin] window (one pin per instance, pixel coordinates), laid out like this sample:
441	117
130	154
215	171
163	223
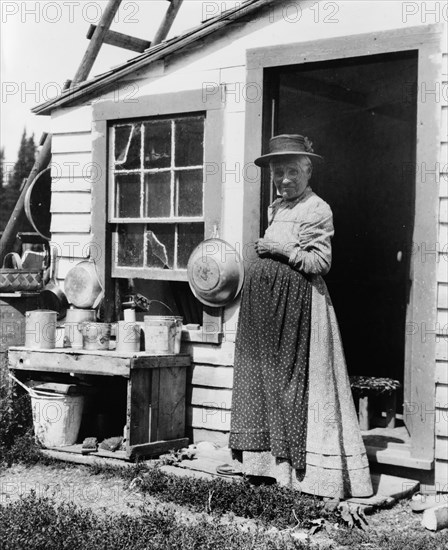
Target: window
157	192
151	207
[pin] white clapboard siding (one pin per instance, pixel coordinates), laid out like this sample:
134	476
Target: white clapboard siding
442	447
73	165
70	203
442	321
71	143
72	244
442	371
442	272
220	439
208	419
69	185
442	396
443	210
443	183
441	475
70	223
65	264
442	423
442	295
211	398
443	236
442	346
71	119
211	376
443	154
209	354
444	122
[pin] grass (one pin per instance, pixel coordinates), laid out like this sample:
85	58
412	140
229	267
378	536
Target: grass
15	420
37	523
34	523
271	504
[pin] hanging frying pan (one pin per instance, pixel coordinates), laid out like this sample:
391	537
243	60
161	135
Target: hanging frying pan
37	203
52	296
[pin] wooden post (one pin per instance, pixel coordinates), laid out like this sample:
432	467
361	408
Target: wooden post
96	41
389	404
167	22
365	413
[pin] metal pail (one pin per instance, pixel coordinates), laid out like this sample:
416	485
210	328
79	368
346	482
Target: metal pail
163	334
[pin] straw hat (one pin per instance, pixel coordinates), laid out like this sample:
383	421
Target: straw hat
215	272
287	145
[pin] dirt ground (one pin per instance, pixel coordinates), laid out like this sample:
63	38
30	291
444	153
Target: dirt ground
104	494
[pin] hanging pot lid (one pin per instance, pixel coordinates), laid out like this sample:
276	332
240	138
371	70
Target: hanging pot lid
215	272
82	285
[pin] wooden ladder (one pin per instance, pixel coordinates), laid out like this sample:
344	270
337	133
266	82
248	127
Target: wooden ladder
98	35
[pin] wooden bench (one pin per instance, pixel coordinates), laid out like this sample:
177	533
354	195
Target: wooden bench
155	394
373	396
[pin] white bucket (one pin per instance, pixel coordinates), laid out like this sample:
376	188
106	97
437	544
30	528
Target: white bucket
163	334
56	418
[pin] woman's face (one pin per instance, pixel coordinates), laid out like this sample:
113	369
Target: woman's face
291	176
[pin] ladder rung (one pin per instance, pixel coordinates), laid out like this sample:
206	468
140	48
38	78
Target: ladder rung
121	40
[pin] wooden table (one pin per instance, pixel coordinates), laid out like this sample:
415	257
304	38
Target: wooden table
156	389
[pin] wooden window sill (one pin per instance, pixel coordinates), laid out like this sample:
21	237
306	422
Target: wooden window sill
201	337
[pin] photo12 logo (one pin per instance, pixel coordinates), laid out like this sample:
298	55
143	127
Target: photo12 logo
424	12
36	92
68	12
292	12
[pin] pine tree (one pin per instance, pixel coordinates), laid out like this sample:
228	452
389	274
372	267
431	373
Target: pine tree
22	168
25	160
2	160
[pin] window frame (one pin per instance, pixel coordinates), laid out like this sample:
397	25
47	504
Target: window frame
170	104
188	103
147	272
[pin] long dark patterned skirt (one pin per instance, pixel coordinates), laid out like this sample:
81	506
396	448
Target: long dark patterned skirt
270	392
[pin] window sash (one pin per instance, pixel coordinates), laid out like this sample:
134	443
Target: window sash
169	104
141	171
174	219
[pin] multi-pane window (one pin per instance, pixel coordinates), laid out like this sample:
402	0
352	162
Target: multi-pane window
157	184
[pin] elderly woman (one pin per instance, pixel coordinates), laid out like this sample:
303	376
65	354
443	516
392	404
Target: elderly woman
293	416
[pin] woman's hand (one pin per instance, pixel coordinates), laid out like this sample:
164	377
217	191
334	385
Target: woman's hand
265	247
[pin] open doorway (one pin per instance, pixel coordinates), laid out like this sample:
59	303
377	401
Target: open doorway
360	113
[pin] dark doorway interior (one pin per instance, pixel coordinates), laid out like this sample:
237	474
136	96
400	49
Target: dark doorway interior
360	113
